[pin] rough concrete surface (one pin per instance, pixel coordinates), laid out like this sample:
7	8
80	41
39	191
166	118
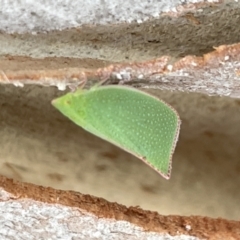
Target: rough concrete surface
216	73
42	212
48	221
31	16
192	33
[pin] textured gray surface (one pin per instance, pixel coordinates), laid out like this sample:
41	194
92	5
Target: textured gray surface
28	219
175	36
37	16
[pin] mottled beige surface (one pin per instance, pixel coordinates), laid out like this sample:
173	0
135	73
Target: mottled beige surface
39	145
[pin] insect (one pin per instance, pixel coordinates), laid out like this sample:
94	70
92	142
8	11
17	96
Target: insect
133	120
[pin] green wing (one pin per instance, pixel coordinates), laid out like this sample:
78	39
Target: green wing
135	121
